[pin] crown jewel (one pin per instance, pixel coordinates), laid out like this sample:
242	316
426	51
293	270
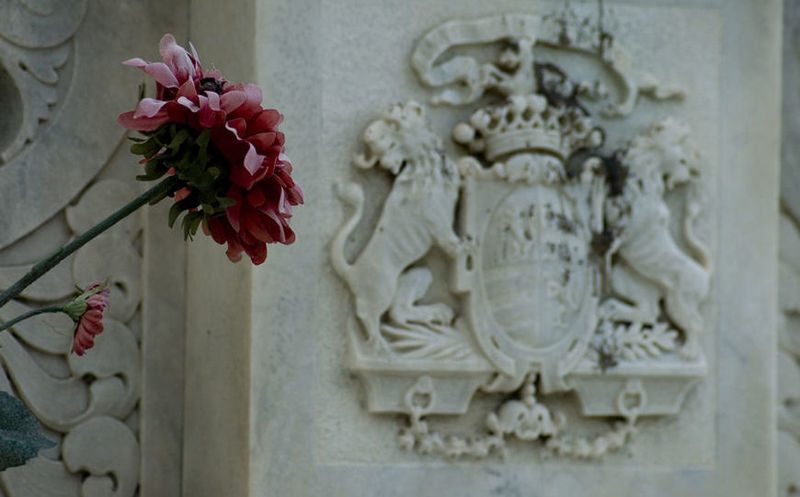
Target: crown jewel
528	123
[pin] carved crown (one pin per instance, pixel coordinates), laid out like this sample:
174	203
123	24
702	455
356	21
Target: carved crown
527	123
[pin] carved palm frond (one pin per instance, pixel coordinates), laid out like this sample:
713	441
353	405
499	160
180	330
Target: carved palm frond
427	341
635	341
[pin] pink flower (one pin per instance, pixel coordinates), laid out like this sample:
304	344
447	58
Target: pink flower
87	311
260	216
257	175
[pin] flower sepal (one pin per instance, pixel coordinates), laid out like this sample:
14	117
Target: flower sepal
202	172
87	312
78	306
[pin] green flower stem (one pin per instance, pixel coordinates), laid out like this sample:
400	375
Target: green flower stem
30	314
160	190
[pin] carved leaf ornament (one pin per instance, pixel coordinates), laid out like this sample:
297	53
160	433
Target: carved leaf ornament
83	402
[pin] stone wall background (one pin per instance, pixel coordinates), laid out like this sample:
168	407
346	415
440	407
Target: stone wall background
62	158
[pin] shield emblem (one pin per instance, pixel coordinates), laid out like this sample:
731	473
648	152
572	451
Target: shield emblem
528	285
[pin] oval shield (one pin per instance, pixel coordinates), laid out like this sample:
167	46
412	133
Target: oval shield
532	298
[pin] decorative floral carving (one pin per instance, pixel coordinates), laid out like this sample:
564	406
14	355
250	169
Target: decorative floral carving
86	399
33	47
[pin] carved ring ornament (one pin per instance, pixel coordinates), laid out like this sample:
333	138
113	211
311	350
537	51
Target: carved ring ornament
564	268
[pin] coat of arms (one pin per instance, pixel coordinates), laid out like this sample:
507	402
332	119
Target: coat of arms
567	267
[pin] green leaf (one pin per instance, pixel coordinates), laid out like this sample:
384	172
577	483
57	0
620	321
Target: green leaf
195	223
225	202
202	157
21	437
158	198
174	212
214	172
141	148
190	223
180	137
203	139
153	169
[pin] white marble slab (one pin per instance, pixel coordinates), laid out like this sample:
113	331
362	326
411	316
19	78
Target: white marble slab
311	432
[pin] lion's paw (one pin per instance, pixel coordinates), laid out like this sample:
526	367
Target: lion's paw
378	345
691	350
438	313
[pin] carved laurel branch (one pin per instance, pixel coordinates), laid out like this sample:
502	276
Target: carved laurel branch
630	342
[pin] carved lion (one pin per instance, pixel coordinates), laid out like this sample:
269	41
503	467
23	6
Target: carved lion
417	214
653	266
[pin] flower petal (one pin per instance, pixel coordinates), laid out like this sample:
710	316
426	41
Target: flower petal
182	193
126	120
189	104
266	120
257	253
188	90
176	58
262	141
238	126
240	177
206	116
252	104
213	100
162	74
194	52
253	160
148	107
233	213
135	62
256	197
234	251
232	100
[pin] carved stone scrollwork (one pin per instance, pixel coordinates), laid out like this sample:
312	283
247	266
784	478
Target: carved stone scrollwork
60	96
33	47
565	271
84	402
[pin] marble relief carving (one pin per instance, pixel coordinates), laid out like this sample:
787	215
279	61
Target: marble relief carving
86	403
54	139
34	45
565	271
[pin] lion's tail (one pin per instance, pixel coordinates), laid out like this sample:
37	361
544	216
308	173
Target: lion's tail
352	194
693	208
